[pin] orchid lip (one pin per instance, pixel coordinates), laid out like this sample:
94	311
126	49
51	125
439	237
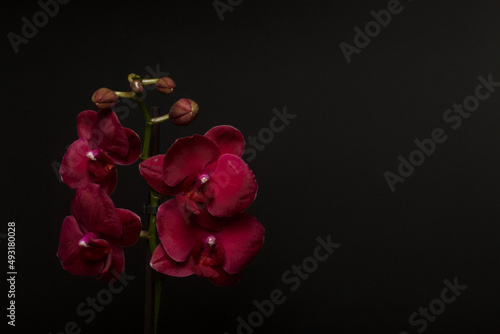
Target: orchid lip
208	253
92	154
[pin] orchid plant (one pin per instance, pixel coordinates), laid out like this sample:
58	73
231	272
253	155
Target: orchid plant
199	191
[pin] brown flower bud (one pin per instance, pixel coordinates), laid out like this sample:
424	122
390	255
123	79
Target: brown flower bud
136	86
104	98
165	85
183	112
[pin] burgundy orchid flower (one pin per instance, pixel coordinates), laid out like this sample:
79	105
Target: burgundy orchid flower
92	238
188	249
205	172
103	143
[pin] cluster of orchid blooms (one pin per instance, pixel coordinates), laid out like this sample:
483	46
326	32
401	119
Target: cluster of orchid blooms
202	229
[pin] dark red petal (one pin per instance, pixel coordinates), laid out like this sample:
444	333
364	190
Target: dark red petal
70	253
206	220
134	149
73	168
188	157
162	263
84	122
177	234
241	240
232	186
114	266
152	171
229	139
93	209
108	134
131	228
224	279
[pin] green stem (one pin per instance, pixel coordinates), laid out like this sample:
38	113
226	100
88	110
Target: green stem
147	130
132	76
158	283
153	280
160	119
143	108
149	81
147	140
128	95
152	221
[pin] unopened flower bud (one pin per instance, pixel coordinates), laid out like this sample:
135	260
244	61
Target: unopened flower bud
165	85
136	86
183	112
104	98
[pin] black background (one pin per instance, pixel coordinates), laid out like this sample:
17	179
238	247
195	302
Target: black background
322	175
